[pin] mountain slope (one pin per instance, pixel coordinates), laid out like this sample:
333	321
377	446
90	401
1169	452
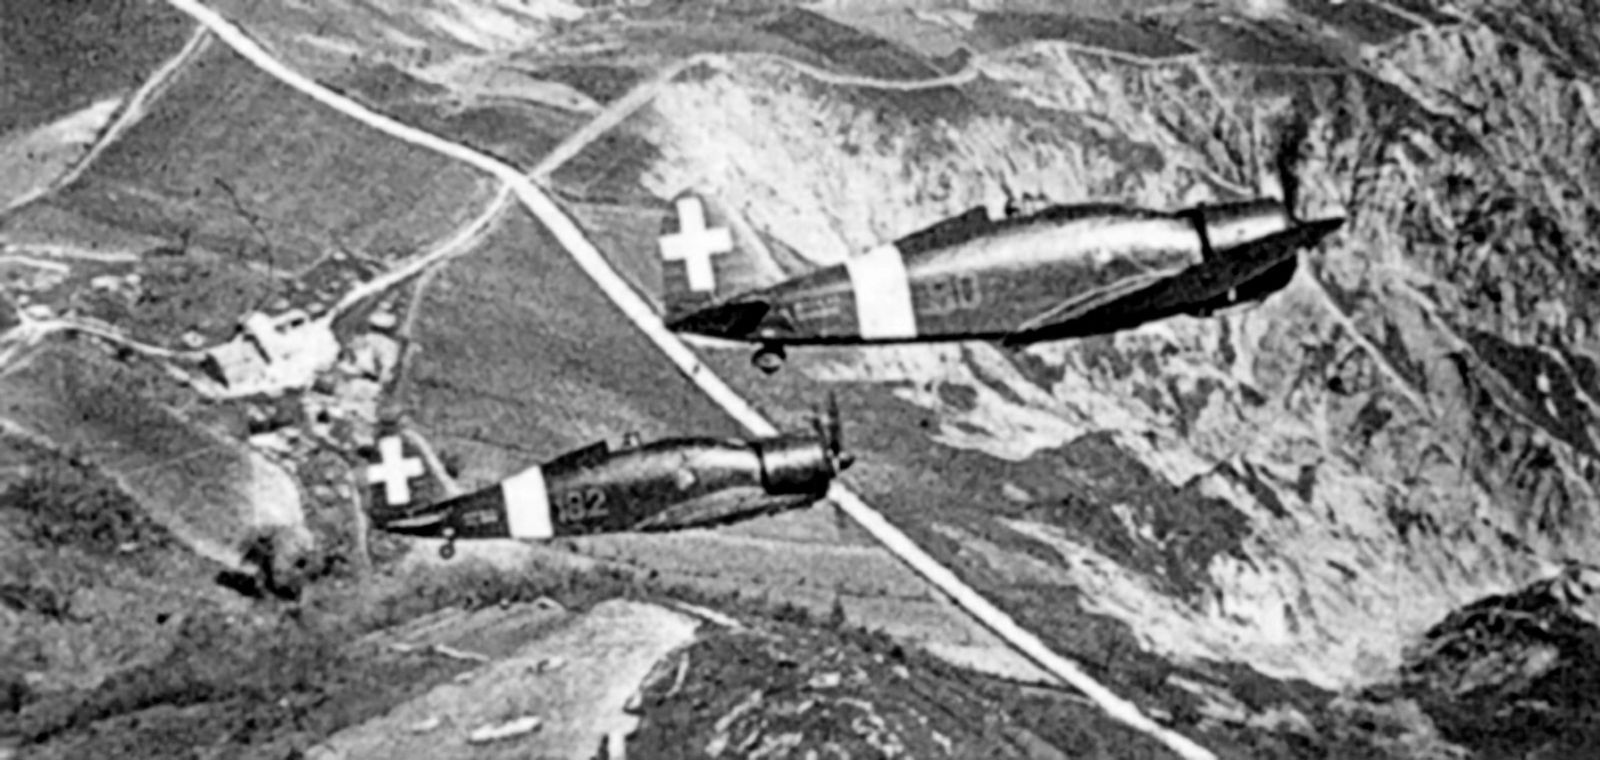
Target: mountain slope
1285	531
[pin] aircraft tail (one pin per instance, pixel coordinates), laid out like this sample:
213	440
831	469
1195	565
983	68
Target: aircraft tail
707	253
401	480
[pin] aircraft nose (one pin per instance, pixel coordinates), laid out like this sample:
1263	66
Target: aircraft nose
1307	234
1322	228
795	465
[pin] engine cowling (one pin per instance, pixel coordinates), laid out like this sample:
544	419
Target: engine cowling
794	465
1230	225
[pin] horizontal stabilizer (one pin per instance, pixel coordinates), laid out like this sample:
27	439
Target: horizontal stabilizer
735	318
707	254
417	523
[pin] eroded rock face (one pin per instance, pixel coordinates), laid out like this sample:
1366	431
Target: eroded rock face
1405	428
1507	671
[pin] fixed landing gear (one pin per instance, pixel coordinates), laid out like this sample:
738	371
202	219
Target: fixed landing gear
1229	299
449	549
769	358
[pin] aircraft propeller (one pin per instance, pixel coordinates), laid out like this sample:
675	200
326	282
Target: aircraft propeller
1285	160
831	431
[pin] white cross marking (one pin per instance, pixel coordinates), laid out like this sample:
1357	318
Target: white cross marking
394	471
694	245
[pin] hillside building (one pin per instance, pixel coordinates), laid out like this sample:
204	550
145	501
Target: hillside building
273	353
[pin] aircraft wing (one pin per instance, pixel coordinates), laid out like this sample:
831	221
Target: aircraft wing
417	522
1074	308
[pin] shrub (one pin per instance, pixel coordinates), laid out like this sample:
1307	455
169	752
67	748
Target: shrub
66	503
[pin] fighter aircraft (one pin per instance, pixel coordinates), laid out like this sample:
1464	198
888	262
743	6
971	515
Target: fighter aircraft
663	485
1018	277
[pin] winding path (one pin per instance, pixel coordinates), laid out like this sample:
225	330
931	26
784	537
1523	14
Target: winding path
458	243
638	311
620	109
132	111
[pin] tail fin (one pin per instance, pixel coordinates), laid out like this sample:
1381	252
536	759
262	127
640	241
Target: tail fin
707	253
400	479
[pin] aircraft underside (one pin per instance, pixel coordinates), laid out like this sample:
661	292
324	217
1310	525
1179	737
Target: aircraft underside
1164	300
726	506
1189	294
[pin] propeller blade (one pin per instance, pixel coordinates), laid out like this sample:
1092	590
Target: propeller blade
835	431
830	433
835	436
1286	162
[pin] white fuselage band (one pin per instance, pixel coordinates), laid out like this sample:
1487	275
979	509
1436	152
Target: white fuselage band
883	294
527	504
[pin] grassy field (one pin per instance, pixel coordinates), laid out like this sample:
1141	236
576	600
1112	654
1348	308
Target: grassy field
266	687
1002	30
275	679
521	355
46	226
183	293
66	504
518	133
1365	22
922	34
242	165
848	49
609	171
60	57
625	235
90	585
598	81
1253	45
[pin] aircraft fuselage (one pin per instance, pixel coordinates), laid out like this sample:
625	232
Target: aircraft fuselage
1066	270
667	484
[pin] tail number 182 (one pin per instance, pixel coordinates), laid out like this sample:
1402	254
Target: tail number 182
581	505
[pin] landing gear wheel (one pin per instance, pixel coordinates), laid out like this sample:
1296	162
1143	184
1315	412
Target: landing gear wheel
769	359
449	549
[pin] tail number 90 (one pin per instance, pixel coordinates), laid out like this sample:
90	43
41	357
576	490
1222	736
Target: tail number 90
581	505
951	293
